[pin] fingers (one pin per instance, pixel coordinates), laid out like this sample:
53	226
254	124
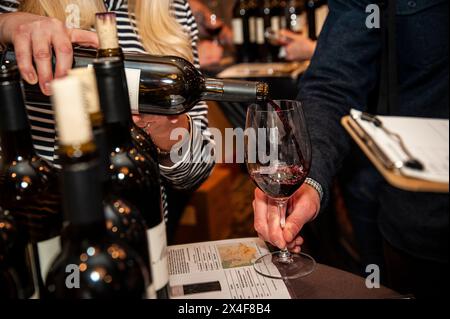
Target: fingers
64	55
260	214
84	38
24	58
274	225
295	243
42	56
306	203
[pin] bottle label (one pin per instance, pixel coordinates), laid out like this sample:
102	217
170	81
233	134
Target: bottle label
275	23
260	31
238	31
133	81
252	29
297	24
158	254
47	252
151	292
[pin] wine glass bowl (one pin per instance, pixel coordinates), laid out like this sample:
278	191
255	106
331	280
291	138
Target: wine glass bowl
278	158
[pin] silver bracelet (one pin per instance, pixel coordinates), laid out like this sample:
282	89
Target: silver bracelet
314	184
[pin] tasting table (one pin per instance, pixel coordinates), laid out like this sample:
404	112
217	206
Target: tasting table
331	283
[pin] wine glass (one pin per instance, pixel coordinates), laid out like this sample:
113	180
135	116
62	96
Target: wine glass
278	158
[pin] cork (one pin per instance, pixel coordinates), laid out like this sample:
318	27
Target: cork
89	86
74	127
106	27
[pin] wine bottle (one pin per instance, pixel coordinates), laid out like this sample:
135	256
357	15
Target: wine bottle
124	221
16	277
28	187
106	26
131	175
164	85
92	265
241	31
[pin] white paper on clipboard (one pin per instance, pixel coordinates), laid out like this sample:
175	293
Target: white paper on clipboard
427	139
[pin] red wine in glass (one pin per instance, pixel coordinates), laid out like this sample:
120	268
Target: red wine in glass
282	175
282	181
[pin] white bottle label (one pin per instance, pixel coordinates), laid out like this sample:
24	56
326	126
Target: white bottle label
275	23
260	31
238	31
48	250
252	29
158	254
133	81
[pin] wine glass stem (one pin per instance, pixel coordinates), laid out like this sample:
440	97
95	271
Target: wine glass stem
284	256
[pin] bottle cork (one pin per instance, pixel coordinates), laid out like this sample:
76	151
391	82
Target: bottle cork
106	26
73	124
89	86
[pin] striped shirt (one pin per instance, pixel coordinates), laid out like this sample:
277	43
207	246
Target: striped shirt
186	174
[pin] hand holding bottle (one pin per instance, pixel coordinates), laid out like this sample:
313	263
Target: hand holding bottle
160	128
34	37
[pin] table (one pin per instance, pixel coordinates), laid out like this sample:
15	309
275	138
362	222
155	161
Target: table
331	283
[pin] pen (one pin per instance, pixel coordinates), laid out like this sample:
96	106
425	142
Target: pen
412	162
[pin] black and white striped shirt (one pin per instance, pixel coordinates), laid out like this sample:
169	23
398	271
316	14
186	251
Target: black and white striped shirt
186	174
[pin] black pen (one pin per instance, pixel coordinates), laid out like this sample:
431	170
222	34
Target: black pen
412	162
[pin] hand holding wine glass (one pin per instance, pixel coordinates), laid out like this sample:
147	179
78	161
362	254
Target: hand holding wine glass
279	127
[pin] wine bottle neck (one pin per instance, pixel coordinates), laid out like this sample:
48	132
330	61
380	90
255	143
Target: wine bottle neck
14	126
102	148
113	94
235	91
118	135
82	194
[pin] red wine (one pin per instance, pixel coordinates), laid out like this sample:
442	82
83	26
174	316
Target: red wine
280	181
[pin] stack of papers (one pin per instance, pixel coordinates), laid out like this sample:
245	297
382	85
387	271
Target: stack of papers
222	270
426	139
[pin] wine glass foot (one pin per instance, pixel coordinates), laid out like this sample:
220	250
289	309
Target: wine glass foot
289	267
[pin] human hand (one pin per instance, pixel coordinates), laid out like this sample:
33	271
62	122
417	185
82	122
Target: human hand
298	47
209	53
302	207
34	37
160	128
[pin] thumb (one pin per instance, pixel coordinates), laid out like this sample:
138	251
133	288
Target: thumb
84	38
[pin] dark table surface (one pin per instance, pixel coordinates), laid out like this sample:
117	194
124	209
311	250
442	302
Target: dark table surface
331	283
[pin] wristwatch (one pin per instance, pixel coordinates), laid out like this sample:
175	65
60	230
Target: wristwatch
314	184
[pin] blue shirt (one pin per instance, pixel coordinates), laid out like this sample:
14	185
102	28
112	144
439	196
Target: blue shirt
345	73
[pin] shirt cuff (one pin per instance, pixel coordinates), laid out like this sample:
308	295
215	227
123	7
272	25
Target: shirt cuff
316	185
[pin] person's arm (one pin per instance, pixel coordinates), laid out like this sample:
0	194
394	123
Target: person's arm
342	74
34	37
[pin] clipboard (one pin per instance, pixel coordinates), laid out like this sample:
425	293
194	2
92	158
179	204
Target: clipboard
378	159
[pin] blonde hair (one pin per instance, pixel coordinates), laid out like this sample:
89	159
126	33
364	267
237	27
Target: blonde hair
158	29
